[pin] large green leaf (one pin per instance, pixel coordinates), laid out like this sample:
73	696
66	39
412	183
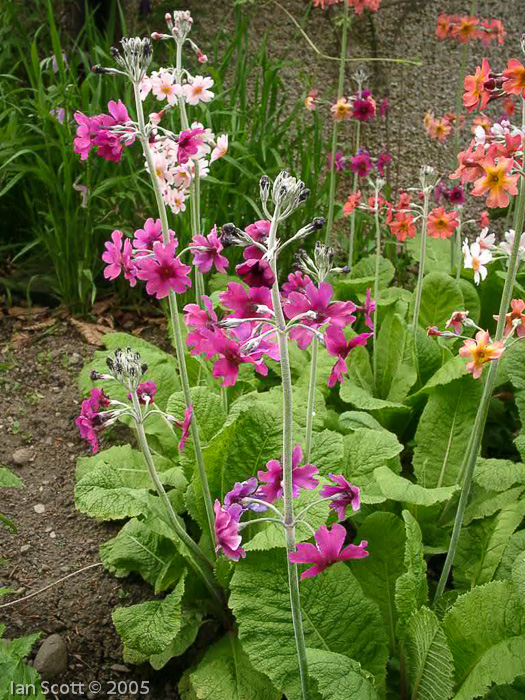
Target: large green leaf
225	672
486	634
518	576
378	573
207	407
365	450
437	255
444	430
102	493
261	604
149	627
429	661
441	296
137	548
411	586
515	545
397	488
396	372
327	451
338	677
14	672
499	474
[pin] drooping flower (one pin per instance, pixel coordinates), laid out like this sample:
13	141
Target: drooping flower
200	319
442	224
230	356
310	100
117	257
383	160
227	530
344	494
476	259
514	76
185	424
91	421
207	252
221	148
327	551
480	351
368	309
146	392
297	282
255	271
96	132
475	91
163	272
302	477
456	321
497	182
198	90
189	144
242	490
340	347
515	319
316	307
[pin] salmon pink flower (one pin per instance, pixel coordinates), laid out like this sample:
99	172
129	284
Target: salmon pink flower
442	224
475	259
514	76
118	259
316	305
515	320
310	100
456	321
344	494
470	165
475	91
302	477
480	351
327	550
221	148
198	90
207	252
402	226
227	530
351	203
465	29
497	181
163	272
342	110
443	26
337	345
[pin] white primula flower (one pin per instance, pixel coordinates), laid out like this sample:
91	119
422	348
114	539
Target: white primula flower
221	148
507	244
485	239
197	90
475	259
164	87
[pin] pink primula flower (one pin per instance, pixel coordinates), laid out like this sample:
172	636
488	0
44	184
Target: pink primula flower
90	421
302	477
480	351
344	494
227	530
244	302
327	551
189	144
337	345
118	259
151	233
207	252
163	272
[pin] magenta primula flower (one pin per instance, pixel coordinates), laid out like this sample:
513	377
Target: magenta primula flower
185	425
244	302
151	233
361	163
189	143
259	230
383	159
364	107
255	271
200	320
245	489
339	162
207	252
96	132
344	494
317	307
340	347
327	552
368	309
302	477
163	272
118	258
297	282
227	530
91	420
146	392
231	357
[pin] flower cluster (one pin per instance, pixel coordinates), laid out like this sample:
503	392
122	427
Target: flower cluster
484	250
441	129
486	85
126	367
361	106
358	5
102	133
259	494
465	29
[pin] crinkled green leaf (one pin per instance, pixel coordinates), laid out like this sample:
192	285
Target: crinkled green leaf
441	296
515	545
411	586
102	493
327	451
485	503
207	407
353	420
14	670
486	634
261	604
137	548
149	627
225	672
518	575
437	255
481	546
453	369
443	432
378	573
429	661
429	356
365	450
397	488
499	474
471	300
338	677
9	480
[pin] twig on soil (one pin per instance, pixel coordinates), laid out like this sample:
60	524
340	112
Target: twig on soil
51	585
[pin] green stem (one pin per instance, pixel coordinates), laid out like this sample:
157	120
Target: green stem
310	411
459	101
175	320
469	461
458	245
293	578
376	286
354	213
421	271
331	201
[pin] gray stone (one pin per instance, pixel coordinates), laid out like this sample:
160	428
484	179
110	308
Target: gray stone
25	548
51	660
22	456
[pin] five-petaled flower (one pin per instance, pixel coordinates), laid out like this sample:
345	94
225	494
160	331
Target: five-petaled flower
302	477
344	494
227	530
442	224
480	351
327	551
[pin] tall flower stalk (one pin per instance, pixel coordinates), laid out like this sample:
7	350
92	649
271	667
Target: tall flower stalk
471	455
428	182
379	184
310	411
351	242
335	127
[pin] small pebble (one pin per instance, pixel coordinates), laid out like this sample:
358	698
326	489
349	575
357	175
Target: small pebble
25	548
22	456
40	508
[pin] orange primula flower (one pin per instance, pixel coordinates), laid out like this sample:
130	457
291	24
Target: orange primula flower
515	320
474	87
480	351
515	78
402	227
351	203
441	129
442	224
466	29
443	26
497	181
470	166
